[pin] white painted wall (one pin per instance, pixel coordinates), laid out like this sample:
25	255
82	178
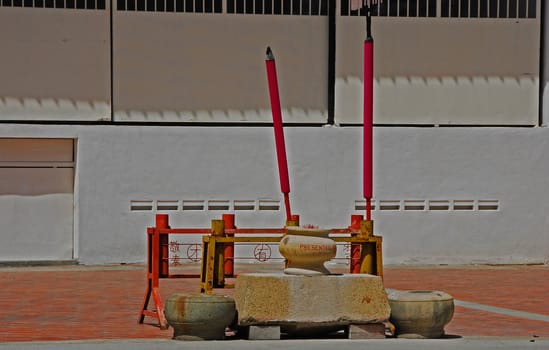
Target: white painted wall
117	164
37	228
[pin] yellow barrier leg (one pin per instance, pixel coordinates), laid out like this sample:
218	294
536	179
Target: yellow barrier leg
207	272
368	257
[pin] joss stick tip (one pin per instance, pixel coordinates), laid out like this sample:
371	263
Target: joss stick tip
269	53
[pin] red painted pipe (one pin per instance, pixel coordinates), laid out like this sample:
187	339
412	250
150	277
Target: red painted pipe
368	122
228	264
278	130
355	247
162	222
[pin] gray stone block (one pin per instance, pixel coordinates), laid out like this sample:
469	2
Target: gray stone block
264	333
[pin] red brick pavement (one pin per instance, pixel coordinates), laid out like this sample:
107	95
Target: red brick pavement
73	302
519	288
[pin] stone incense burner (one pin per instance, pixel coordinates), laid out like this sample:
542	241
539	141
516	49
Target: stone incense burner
306	249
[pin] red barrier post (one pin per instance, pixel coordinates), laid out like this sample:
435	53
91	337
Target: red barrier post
355	247
162	222
294	220
156	269
228	265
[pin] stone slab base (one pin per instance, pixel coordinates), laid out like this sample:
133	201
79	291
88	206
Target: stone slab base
362	331
264	333
367	331
303	303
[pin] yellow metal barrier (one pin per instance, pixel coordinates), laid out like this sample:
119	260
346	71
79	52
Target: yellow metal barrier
212	272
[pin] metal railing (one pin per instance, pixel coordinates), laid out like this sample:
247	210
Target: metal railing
449	8
384	8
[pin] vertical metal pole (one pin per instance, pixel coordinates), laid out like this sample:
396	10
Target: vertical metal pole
111	58
355	247
543	118
331	60
368	258
368	249
158	268
162	222
148	290
228	266
216	260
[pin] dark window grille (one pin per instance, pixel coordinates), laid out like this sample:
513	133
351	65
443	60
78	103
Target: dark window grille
394	8
286	5
279	7
524	9
296	7
58	4
448	8
191	6
489	8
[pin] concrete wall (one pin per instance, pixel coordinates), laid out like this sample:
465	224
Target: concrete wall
441	71
203	67
55	64
115	165
66	64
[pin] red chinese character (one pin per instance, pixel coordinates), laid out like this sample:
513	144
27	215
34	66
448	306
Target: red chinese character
174	247
176	260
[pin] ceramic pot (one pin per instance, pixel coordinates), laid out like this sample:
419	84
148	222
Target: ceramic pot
306	250
199	316
420	313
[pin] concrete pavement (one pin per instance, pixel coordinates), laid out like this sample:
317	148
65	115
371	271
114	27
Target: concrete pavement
378	344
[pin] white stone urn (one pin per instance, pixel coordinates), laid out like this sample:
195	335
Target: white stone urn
420	313
306	250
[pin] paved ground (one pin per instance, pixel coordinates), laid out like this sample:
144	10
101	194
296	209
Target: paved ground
379	344
85	303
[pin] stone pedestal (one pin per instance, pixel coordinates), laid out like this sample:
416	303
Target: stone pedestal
310	304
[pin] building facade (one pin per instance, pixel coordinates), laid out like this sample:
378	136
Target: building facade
112	112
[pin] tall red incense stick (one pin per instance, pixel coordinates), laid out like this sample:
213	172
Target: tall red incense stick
368	116
278	131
